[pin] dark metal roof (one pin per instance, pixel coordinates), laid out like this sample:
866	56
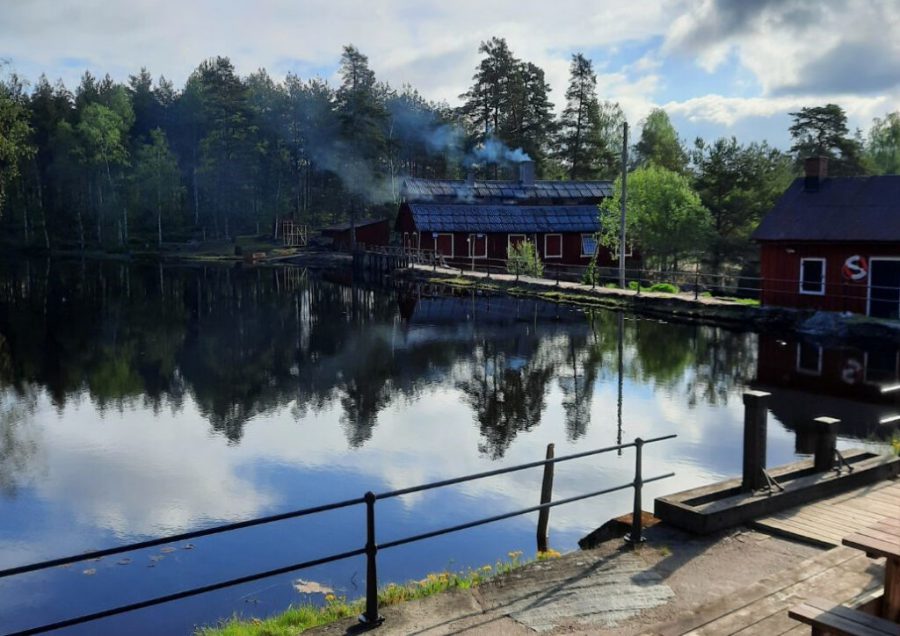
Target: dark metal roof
343	227
486	218
417	190
842	209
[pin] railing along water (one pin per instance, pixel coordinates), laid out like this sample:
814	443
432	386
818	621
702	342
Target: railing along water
370	616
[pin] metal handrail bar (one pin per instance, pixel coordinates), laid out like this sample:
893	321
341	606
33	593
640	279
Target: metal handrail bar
516	468
370	616
95	554
508	515
176	596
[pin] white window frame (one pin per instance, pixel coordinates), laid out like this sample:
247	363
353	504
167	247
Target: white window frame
821	291
629	252
509	238
437	236
472	238
547	253
806	370
596	244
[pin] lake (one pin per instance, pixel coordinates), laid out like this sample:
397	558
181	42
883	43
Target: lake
142	400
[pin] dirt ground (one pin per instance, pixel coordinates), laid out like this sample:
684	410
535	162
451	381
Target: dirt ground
611	589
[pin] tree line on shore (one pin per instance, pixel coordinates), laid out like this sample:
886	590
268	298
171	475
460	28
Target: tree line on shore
119	166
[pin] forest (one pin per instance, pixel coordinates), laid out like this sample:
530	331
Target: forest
142	165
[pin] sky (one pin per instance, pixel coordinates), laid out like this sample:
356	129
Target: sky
718	67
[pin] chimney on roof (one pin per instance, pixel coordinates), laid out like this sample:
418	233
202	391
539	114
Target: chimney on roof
526	172
816	170
470	177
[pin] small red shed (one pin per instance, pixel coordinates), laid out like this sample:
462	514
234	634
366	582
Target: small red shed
367	232
833	244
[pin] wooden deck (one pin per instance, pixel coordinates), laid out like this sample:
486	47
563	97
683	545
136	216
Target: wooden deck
840	574
827	521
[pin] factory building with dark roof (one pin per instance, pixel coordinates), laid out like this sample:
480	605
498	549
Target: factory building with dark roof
833	244
480	220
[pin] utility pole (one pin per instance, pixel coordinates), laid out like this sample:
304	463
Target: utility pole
624	198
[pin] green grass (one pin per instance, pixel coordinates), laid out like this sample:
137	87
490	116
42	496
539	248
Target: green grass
895	443
300	618
664	288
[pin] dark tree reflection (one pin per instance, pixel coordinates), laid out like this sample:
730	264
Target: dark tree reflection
242	342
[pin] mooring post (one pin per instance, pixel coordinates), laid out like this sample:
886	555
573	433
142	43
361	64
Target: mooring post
826	441
755	415
635	537
546	497
370	617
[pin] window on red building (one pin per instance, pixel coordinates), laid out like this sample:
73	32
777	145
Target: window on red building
812	276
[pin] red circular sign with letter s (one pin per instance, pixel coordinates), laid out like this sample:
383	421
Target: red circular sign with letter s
855	268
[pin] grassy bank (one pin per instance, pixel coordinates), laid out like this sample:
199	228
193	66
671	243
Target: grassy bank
303	617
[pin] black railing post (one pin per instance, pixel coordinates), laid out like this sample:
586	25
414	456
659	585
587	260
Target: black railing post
371	617
635	537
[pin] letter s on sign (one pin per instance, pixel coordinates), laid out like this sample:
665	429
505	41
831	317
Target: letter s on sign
855	268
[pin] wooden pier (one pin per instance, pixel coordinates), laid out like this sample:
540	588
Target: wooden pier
840	574
827	521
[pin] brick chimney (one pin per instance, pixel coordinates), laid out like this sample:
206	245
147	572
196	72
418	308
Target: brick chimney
816	170
526	173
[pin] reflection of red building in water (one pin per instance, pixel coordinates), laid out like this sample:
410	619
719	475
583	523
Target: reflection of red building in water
855	384
833	244
479	220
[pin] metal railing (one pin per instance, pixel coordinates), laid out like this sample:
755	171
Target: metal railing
842	295
370	616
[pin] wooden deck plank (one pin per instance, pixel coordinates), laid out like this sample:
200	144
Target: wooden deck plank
827	521
762	609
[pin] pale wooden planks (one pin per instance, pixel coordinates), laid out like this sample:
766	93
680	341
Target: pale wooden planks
828	521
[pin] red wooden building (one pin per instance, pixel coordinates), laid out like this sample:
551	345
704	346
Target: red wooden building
367	232
480	219
833	244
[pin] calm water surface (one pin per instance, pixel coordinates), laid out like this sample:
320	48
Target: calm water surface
144	400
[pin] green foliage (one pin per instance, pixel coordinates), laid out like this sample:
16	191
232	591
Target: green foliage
665	217
15	143
156	184
591	275
523	259
822	131
589	131
659	144
664	288
509	101
895	443
298	619
883	145
738	185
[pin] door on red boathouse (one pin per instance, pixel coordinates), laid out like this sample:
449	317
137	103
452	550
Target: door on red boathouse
884	288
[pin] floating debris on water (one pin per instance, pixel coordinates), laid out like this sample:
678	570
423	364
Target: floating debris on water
188	546
124	561
311	587
89	571
167	550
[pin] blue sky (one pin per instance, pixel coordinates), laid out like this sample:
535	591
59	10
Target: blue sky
719	67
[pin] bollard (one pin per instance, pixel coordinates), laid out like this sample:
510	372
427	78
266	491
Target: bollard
546	496
371	617
635	537
755	415
826	440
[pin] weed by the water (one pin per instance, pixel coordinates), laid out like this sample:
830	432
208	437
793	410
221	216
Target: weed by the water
303	617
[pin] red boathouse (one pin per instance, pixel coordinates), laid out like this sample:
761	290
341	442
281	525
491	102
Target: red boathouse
480	219
833	244
363	232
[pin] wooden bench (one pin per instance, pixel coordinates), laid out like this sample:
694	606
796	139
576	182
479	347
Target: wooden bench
831	619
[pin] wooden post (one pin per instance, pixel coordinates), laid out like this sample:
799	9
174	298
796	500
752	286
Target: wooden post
755	415
546	497
826	439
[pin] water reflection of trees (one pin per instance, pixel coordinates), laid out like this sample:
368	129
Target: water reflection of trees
243	342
